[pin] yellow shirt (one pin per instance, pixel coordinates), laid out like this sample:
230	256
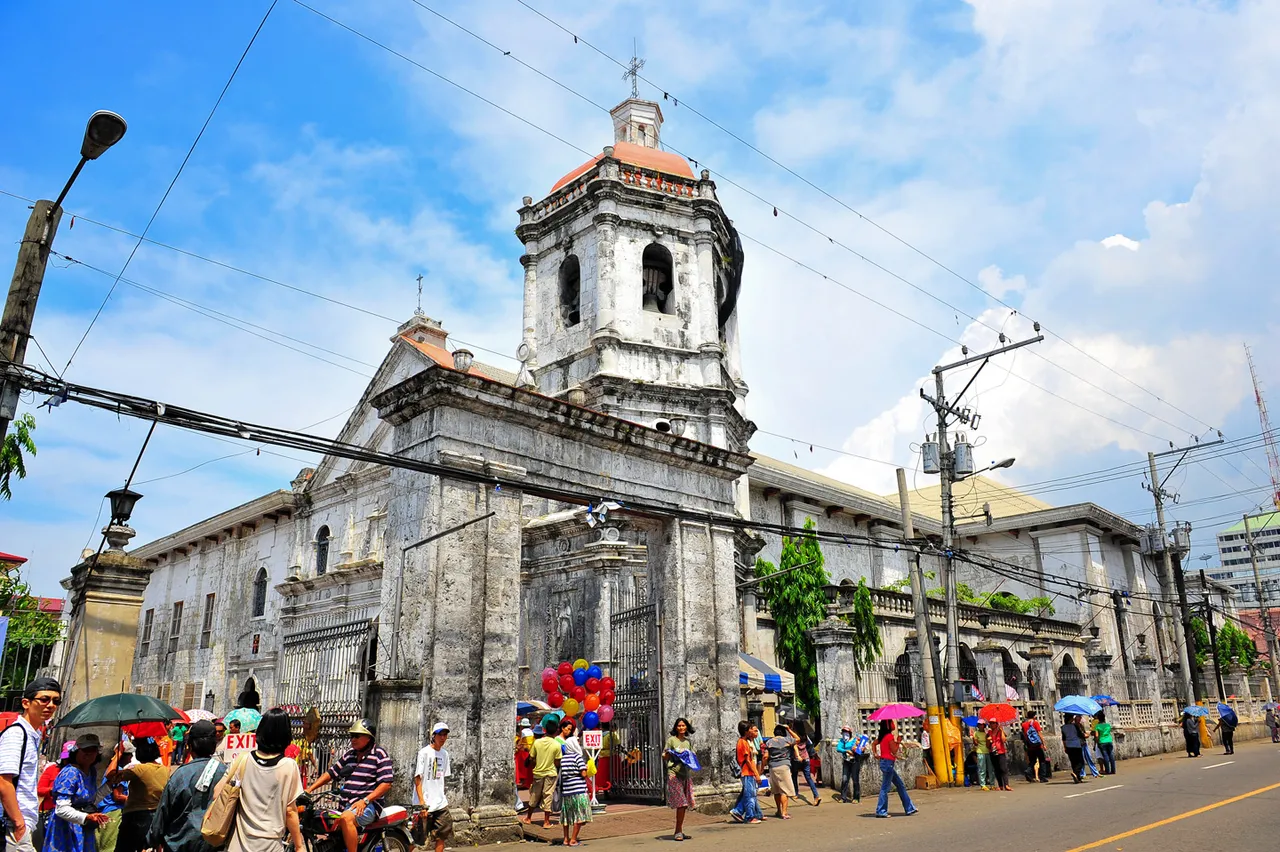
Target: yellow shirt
546	753
146	783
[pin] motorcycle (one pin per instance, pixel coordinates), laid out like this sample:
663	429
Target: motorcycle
318	819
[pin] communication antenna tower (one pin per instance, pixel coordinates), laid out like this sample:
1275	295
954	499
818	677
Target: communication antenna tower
1268	437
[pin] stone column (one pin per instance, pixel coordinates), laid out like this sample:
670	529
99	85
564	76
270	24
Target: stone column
837	686
530	302
105	596
991	660
1148	674
700	627
1040	672
912	644
1101	677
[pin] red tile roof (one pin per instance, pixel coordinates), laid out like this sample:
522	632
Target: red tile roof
439	354
635	155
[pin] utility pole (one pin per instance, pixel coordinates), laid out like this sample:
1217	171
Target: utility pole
103	130
924	640
1183	640
1264	609
948	473
1213	635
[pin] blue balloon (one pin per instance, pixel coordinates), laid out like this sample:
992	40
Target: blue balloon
591	720
579	676
595	672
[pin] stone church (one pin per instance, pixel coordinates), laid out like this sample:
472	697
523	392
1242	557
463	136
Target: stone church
408	597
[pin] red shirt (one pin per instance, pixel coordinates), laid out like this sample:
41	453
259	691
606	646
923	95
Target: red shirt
747	758
888	747
996	738
44	786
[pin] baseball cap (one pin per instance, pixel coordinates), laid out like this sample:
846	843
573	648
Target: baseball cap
203	728
847	728
439	728
86	741
66	749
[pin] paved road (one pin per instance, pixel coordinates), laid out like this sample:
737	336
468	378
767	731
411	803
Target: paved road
1161	803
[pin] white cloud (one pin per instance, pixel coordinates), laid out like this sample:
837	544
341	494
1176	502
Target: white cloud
1121	241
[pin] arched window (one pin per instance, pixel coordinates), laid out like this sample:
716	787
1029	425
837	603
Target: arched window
659	280
904	679
570	291
969	666
322	551
260	593
1070	680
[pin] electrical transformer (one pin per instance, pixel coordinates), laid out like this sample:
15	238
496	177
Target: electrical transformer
929	456
964	457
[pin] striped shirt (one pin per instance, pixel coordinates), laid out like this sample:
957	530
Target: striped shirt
571	768
359	775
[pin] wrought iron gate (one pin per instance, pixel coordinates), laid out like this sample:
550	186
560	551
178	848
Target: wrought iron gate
637	770
327	663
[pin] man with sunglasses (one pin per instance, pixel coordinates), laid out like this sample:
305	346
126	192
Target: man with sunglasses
20	761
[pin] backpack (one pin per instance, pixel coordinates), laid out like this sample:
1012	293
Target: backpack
1032	735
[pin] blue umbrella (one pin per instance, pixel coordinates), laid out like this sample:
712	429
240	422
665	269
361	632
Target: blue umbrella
1106	701
972	721
1078	704
1227	713
1196	710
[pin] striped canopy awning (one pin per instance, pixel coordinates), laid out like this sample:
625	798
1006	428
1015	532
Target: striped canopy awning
754	673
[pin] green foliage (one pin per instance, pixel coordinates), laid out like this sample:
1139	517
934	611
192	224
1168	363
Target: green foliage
798	603
1005	601
31	634
866	633
17	442
1234	646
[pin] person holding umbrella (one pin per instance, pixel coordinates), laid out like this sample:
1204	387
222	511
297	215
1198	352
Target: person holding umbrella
887	746
1191	733
999	755
75	821
1227	721
1271	721
146	780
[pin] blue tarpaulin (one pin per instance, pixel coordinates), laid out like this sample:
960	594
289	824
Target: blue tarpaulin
754	673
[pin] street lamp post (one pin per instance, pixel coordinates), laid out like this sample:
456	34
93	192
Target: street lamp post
103	130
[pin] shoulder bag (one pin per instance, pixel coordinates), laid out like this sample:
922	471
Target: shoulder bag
220	818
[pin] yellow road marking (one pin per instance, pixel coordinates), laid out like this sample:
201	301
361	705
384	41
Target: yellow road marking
1104	841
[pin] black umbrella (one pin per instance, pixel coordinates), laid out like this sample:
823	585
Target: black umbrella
123	708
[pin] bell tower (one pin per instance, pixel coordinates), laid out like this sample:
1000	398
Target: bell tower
631	278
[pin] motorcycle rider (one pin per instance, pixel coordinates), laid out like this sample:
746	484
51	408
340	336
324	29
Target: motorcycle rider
364	771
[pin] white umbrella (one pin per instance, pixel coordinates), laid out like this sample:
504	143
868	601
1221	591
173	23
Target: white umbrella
1010	693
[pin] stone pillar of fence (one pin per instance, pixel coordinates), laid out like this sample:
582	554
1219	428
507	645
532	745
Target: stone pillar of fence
837	687
917	668
1147	672
991	662
1040	672
1101	676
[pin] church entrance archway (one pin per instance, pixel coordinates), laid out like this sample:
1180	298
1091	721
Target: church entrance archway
637	771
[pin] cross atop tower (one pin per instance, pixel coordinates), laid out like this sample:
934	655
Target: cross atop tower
419	312
633	70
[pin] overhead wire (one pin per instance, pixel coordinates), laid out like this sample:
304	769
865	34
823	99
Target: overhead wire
181	167
902	241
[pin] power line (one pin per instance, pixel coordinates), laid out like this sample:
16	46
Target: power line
744	189
667	96
191	150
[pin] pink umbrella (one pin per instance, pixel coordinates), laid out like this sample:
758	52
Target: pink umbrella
1010	693
896	711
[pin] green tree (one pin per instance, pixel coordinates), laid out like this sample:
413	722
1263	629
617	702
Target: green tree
1234	646
798	603
16	443
866	632
30	637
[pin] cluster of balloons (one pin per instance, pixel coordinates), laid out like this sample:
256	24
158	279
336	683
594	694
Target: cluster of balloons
580	687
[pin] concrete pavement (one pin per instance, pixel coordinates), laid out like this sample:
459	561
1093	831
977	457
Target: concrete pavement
1165	802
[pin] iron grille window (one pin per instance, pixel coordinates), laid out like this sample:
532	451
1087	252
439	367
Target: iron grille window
206	628
148	622
175	628
260	594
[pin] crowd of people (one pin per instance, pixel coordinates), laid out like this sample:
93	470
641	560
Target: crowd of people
152	798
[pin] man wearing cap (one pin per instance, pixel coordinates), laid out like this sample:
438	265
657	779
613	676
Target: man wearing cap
546	770
20	761
428	787
364	772
176	825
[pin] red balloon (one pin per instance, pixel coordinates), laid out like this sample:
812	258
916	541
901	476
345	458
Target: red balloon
607	696
555	699
578	694
606	682
566	683
550	684
591	702
592	685
565	669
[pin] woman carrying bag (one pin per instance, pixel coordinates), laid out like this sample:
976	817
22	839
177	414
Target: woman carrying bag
268	785
75	821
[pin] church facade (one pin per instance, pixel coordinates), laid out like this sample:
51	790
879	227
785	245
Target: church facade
591	506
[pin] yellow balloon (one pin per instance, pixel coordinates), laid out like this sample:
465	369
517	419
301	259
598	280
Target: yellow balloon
581	664
570	707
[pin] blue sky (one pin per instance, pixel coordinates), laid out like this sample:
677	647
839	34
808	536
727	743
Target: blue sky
1106	168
